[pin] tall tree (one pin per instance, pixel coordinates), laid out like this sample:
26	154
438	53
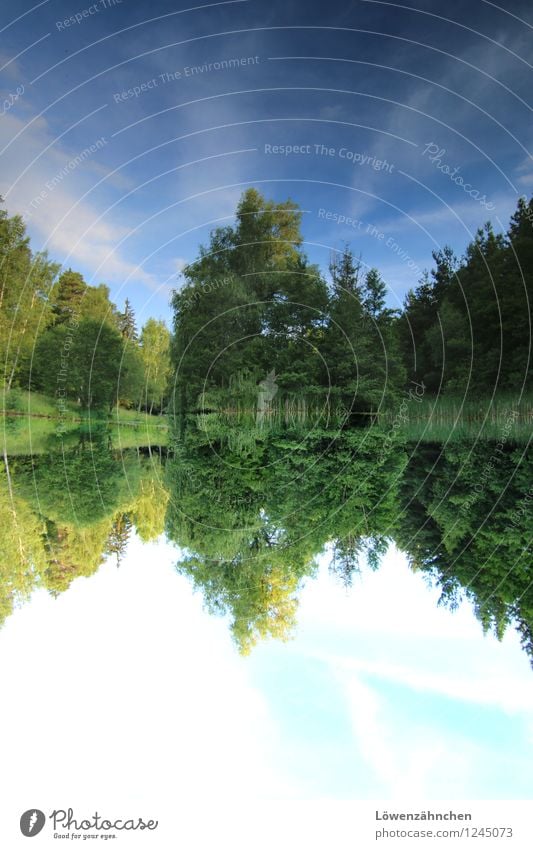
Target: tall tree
25	283
374	294
154	347
251	296
68	295
82	364
97	306
126	322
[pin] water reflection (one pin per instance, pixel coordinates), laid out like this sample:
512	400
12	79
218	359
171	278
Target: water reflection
253	506
64	511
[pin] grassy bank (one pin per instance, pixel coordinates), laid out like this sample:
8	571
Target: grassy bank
431	419
31	423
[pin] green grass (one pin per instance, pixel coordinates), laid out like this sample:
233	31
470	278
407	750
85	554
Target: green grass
131	417
139	437
31	423
439	419
24	402
40	436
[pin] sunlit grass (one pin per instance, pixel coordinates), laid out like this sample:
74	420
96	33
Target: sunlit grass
443	418
31	423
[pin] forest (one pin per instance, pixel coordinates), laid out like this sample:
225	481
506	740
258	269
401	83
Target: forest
66	339
304	415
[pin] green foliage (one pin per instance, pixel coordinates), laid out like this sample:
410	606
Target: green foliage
132	376
25	282
251	298
464	521
155	355
97	307
148	510
80	362
468	329
67	338
126	322
269	513
22	549
67	296
79	487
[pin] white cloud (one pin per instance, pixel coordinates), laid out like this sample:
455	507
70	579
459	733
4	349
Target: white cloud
387	636
526	179
132	700
404	764
48	190
10	68
490	673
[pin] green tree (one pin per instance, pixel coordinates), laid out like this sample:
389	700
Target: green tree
154	346
81	362
251	297
374	294
117	541
22	547
149	509
25	283
96	306
131	380
467	328
464	522
67	296
126	322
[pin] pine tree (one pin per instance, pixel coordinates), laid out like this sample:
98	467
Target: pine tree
126	322
375	291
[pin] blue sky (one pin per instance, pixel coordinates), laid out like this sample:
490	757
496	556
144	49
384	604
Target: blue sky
368	82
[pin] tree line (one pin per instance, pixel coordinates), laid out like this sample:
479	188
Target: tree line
466	328
252	299
67	339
